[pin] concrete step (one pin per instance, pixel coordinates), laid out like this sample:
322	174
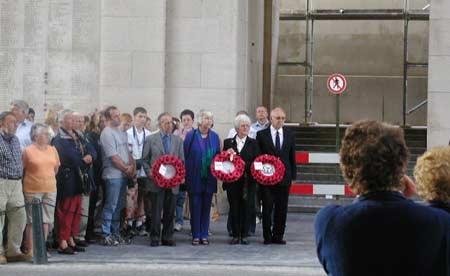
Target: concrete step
312	204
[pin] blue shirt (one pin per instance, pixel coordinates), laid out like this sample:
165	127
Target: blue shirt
257	126
165	142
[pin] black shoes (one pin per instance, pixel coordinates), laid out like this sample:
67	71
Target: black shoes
267	241
234	241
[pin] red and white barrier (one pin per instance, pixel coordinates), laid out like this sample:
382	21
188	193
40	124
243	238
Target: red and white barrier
318	189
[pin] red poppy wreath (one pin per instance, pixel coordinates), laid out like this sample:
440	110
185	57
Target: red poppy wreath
168	171
228	167
268	169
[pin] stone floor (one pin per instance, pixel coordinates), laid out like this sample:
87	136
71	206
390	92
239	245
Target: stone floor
296	258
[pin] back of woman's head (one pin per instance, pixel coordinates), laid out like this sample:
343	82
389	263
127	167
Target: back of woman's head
373	156
432	174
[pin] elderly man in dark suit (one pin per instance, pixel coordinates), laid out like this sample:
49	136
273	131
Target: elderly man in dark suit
157	145
279	141
382	232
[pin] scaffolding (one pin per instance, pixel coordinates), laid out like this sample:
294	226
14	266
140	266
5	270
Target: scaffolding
310	16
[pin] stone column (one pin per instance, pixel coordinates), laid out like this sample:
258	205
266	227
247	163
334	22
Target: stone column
438	76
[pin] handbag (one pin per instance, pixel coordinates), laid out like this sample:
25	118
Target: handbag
85	180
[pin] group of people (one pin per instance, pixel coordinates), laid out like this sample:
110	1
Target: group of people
97	171
93	176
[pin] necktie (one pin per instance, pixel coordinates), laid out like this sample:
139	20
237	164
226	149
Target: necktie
166	143
277	142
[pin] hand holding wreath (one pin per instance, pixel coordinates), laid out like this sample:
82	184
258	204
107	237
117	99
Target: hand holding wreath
268	169
168	171
228	166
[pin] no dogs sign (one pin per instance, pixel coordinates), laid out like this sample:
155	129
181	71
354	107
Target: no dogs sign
336	83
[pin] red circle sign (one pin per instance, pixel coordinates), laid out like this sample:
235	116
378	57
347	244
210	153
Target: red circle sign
336	84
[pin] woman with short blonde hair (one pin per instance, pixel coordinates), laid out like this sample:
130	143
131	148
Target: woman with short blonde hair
432	174
41	163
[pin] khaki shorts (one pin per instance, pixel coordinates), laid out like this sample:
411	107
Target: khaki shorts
48	201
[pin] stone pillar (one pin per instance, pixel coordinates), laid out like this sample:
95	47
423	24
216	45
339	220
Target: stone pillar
438	76
132	61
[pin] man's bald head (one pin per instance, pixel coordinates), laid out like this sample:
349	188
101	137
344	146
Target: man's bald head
277	117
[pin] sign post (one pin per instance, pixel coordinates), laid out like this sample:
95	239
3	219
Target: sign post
336	84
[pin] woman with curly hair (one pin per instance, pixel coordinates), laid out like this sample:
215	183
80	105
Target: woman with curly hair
432	174
382	232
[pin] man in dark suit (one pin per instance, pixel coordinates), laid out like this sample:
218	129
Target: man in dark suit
157	145
382	232
279	141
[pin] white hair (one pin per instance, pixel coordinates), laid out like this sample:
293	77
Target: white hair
202	114
63	113
38	129
22	105
242	118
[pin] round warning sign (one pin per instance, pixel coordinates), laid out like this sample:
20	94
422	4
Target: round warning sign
336	83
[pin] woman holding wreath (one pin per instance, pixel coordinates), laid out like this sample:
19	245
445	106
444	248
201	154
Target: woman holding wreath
200	147
241	194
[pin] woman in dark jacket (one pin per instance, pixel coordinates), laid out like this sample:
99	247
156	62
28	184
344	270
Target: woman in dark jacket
73	158
241	194
432	174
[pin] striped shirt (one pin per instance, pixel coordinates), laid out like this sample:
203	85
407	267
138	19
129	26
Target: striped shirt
10	158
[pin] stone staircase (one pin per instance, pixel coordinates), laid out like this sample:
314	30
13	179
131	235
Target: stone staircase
322	139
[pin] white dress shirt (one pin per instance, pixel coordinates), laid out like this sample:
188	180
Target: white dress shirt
240	143
136	143
273	131
23	133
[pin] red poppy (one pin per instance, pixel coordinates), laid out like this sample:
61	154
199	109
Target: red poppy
230	173
174	168
268	169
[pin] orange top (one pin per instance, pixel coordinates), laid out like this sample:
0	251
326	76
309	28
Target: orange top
40	167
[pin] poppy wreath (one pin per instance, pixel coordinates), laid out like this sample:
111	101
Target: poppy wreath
239	167
180	171
265	179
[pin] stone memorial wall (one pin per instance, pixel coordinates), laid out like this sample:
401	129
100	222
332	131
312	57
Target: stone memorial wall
49	53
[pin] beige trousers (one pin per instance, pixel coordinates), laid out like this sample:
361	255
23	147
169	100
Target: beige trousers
84	217
11	200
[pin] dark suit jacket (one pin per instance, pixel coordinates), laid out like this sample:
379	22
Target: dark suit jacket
248	153
383	233
154	149
287	154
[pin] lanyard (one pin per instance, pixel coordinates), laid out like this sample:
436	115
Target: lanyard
137	140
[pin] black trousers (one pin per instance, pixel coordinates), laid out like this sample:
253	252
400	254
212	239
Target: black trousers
163	201
274	200
144	195
239	211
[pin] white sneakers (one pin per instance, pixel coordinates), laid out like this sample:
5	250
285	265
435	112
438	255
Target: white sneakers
178	227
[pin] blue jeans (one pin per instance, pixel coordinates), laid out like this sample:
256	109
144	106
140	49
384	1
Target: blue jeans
114	202
179	208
